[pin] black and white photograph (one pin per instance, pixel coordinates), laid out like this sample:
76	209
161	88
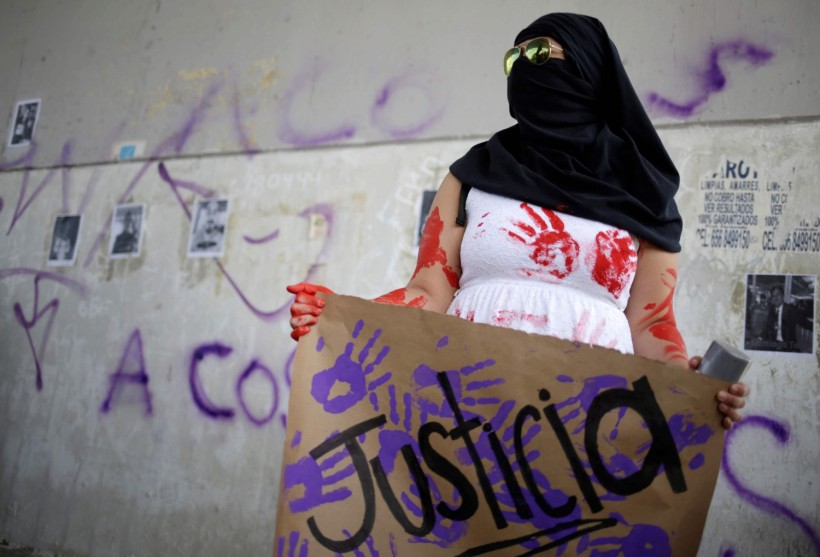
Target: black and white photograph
23	123
208	228
127	226
64	239
780	313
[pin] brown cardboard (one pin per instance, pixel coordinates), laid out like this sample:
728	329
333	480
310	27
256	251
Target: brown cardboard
376	367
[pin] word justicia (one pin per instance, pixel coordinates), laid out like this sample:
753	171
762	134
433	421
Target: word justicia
662	455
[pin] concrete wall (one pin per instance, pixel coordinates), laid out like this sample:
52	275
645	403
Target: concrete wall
147	434
274	75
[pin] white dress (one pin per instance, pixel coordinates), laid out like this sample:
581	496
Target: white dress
545	272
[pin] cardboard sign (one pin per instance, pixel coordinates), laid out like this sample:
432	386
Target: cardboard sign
415	433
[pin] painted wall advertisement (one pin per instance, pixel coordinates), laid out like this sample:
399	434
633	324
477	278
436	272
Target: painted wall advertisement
414	433
743	211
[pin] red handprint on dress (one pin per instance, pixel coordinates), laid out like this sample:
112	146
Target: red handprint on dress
615	260
552	248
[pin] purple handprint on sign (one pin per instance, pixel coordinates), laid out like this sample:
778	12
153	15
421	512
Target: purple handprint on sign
642	539
296	546
314	477
343	385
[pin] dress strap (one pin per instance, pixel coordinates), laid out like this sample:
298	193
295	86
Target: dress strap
461	219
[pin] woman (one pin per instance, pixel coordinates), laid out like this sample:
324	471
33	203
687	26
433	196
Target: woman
564	224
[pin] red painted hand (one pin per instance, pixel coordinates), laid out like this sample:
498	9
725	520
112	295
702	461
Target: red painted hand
553	249
306	307
615	260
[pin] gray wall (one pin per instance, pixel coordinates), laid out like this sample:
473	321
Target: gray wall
274	75
236	100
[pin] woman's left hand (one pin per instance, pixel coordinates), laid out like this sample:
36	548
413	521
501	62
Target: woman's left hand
729	401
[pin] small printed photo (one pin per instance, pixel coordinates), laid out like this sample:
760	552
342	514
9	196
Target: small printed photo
127	226
64	239
23	123
208	228
780	313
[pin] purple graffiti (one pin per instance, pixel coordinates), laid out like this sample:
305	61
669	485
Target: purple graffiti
176	185
326	211
197	391
255	366
194	118
22	205
711	79
288	132
90	187
780	431
64	166
389	106
348	375
239	127
319	208
24	159
174	143
380	115
264	239
131	371
37	313
98	240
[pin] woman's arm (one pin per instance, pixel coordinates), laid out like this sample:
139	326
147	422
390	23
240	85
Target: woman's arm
438	268
650	310
655	333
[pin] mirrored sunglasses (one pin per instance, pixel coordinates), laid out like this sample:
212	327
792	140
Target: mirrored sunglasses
536	50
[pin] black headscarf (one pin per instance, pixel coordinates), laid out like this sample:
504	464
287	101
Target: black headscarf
583	143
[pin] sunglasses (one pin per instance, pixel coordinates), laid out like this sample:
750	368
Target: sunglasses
537	51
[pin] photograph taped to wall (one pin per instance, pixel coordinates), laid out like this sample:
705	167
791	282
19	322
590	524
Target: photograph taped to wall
780	313
127	225
24	122
64	238
208	228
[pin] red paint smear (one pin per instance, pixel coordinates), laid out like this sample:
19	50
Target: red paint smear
397	297
666	328
554	249
470	316
615	260
430	250
506	317
584	333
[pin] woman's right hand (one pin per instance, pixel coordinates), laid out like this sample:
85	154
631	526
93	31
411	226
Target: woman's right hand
306	307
